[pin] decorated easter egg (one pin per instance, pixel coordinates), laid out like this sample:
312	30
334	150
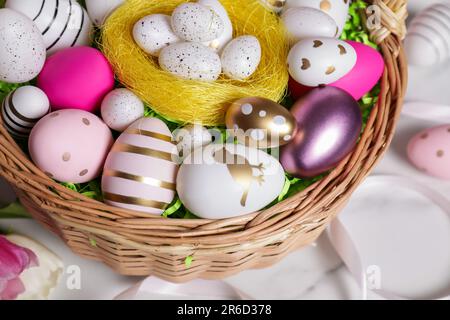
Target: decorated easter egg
274	5
320	61
22	109
336	9
70	145
241	57
195	22
99	10
76	78
229	180
303	23
63	23
429	151
22	49
191	60
329	124
153	33
362	78
260	122
191	137
428	39
140	170
120	108
227	34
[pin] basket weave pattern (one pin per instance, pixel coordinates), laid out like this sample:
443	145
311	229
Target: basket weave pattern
134	243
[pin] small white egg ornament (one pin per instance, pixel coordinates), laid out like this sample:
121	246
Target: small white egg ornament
336	9
140	171
195	22
241	57
191	61
120	108
302	23
22	49
63	23
23	108
428	39
224	181
153	33
191	137
227	34
320	61
99	10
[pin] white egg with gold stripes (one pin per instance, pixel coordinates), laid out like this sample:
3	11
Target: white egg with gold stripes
63	23
140	171
22	109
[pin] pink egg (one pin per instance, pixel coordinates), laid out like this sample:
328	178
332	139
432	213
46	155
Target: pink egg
140	171
429	151
76	78
364	76
70	145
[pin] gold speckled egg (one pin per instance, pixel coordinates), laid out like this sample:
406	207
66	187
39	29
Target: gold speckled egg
261	123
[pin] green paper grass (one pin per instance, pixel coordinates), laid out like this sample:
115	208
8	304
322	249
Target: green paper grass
354	30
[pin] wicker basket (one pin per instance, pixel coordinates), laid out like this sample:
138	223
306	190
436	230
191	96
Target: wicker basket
137	244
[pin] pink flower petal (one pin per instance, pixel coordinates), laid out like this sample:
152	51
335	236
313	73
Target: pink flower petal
13	261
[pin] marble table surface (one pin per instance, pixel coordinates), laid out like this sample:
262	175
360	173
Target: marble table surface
315	272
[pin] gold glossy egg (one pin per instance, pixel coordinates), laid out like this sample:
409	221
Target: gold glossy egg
260	123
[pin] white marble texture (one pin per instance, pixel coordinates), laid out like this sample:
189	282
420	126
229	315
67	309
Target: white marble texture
315	272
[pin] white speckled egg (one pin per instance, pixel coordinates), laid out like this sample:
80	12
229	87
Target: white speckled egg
23	108
140	171
153	33
22	49
120	108
225	181
302	23
192	61
320	61
241	57
70	145
195	22
227	34
63	23
429	151
336	9
190	138
99	10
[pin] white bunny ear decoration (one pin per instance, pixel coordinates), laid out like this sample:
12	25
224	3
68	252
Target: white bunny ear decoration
427	111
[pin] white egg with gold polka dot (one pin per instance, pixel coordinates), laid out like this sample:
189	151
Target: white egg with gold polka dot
260	122
336	9
274	5
140	171
320	61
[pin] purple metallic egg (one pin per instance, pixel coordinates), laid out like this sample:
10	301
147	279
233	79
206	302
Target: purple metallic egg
329	124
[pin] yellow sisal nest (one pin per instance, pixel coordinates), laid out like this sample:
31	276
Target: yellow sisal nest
188	101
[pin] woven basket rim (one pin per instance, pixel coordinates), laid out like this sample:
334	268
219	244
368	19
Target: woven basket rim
296	221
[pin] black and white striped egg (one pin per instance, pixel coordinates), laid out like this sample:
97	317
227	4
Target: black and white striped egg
22	50
63	23
22	109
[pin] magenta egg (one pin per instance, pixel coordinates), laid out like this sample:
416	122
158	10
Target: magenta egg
329	124
76	78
